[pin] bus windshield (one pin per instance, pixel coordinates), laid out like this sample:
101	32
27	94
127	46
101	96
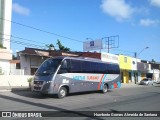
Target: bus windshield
49	67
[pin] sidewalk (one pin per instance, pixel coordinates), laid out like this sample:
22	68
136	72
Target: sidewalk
13	88
127	85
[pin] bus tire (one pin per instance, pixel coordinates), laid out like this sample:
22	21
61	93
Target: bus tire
105	88
62	92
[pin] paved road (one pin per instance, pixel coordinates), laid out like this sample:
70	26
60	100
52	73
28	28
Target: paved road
132	98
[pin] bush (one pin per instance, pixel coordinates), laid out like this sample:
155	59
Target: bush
30	79
1	73
1	46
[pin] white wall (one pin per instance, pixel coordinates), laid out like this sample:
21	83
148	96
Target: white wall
5	66
14	71
134	63
107	57
14	80
25	64
156	74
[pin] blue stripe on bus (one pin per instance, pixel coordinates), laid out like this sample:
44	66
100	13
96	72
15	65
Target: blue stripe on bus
119	84
103	81
112	86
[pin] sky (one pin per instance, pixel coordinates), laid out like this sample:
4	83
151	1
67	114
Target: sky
42	22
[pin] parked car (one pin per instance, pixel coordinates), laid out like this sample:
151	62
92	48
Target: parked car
157	81
146	81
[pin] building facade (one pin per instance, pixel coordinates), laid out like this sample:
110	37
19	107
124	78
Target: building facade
5	32
126	68
32	58
5	24
132	70
155	70
107	57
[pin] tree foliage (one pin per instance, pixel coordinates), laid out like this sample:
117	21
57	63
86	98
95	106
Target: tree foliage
1	46
1	72
50	47
61	47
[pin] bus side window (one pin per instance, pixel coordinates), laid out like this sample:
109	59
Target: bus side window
86	67
76	66
110	69
102	68
116	69
65	67
113	69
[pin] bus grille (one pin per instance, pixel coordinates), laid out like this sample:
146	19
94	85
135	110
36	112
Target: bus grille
38	82
37	88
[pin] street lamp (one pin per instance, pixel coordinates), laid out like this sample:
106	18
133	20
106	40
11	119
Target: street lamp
140	51
89	39
138	55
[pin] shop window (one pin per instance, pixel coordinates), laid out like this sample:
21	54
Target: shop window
125	59
33	70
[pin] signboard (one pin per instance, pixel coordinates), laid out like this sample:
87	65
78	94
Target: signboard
107	57
92	45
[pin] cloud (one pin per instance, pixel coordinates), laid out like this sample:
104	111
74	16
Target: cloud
20	9
117	9
155	3
142	10
149	22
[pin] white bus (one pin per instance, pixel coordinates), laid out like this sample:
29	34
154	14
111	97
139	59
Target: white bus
63	75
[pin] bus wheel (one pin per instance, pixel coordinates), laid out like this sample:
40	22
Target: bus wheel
62	92
105	88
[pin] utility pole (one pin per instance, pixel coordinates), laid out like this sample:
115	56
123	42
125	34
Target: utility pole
135	54
108	44
111	42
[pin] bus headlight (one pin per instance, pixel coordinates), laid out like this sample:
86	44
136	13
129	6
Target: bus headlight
48	81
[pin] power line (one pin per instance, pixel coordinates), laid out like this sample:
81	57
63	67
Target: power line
123	50
39	46
24	39
21	43
31	27
21	38
27	44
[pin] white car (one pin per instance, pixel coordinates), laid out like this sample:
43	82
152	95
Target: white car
157	81
146	81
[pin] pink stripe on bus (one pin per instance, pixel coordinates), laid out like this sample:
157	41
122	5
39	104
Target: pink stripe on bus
99	85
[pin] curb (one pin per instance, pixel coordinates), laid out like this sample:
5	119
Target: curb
5	90
124	85
16	88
